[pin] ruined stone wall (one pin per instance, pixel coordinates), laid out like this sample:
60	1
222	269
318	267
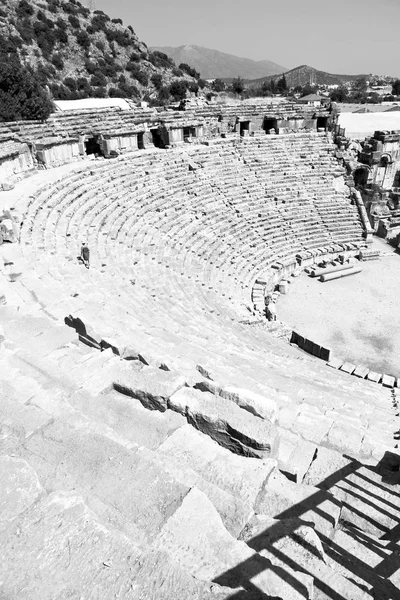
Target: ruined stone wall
15	159
63	136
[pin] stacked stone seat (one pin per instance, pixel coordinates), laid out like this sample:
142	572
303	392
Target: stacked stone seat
181	452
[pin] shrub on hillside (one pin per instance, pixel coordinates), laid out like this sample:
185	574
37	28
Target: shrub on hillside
98	79
21	95
44	72
75	23
97	24
83	39
102	15
82	83
157	80
69	7
53	6
122	38
61	23
57	61
61	36
129	90
7	46
189	70
90	67
24	9
159	59
99	92
25	30
163	96
116	93
70	83
137	74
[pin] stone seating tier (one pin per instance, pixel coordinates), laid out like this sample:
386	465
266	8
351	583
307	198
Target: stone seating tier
159	474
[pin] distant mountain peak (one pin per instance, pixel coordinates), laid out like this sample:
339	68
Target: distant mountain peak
300	76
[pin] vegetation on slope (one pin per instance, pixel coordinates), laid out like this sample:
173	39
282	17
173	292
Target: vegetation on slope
75	53
21	96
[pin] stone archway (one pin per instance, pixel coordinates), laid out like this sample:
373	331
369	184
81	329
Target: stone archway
360	176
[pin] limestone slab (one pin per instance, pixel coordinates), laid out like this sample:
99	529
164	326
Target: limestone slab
226	423
242	477
373	376
348	367
388	381
59	548
295	455
158	577
283	499
19	489
361	372
257	404
152	387
122	487
195	538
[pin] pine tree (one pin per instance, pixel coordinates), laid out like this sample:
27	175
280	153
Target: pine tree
21	96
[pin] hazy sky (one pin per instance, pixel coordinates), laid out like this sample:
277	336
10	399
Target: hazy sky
341	36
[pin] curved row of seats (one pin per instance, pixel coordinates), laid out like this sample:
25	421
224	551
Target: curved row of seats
177	238
255	467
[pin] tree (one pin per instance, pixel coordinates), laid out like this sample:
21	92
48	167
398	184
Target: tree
21	96
309	89
340	94
282	85
177	89
361	85
396	87
218	85
237	85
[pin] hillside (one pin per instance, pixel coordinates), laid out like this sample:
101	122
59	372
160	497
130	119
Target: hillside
304	75
78	53
212	63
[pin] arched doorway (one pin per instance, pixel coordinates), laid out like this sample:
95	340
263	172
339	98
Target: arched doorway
360	177
140	141
92	146
322	123
270	125
157	138
244	128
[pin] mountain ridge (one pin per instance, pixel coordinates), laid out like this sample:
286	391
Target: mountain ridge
212	64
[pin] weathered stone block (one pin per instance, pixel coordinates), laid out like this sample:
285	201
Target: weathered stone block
255	403
152	387
226	423
348	367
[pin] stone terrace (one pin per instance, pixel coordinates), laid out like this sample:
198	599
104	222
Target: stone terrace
180	452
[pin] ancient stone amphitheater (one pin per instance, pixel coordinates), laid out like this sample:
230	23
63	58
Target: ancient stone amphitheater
157	442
